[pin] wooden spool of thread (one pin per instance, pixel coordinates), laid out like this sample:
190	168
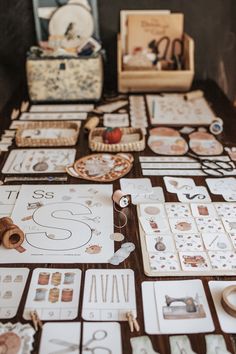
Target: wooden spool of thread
91	124
11	236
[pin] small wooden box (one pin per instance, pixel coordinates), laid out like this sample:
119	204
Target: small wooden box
154	80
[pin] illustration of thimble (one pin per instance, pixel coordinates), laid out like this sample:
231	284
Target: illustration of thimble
69	278
67	295
43	278
40	294
53	295
56	279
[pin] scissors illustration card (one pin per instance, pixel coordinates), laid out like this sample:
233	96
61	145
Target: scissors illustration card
101	337
32	161
184	239
54	294
109	295
227	322
12	284
53	116
8	197
173	109
60	338
62	108
16	338
73	222
176	307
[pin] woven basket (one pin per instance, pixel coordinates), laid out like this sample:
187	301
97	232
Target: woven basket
37	142
96	134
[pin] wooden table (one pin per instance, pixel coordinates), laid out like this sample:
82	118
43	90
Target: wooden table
224	109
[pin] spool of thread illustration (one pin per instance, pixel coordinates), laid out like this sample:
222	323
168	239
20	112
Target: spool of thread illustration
121	199
43	278
53	295
56	279
67	295
7	279
193	95
18	279
91	124
40	294
69	278
11	236
216	126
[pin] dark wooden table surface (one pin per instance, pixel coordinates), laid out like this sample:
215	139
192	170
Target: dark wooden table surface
223	108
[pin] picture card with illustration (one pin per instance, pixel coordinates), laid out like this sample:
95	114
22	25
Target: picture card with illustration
35	161
176	307
50	217
54	294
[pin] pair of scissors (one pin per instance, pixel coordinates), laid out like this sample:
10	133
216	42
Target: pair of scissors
214	167
97	336
177	52
160	46
69	347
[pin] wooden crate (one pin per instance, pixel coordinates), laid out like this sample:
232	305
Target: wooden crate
154	80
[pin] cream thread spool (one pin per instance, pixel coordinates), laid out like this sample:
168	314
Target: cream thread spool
216	126
229	307
193	95
91	124
121	199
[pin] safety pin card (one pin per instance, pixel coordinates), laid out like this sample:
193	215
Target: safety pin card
32	161
73	223
54	294
227	322
8	197
60	338
101	337
12	284
53	116
47	108
109	295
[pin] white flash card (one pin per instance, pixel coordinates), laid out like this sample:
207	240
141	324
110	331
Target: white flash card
12	284
54	294
175	185
116	120
197	194
109	295
8	197
136	186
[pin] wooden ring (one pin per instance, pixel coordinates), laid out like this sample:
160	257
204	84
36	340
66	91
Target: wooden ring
227	305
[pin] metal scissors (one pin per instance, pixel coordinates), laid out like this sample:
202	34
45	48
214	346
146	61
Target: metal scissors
214	167
97	336
160	46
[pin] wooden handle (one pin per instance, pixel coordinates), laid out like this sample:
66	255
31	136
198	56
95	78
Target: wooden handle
227	305
11	236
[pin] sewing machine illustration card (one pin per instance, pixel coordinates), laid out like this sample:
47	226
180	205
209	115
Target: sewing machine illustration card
16	338
176	307
60	338
12	284
32	161
47	108
70	221
54	294
109	295
8	197
227	322
101	337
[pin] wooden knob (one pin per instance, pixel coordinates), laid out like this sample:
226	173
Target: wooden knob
11	236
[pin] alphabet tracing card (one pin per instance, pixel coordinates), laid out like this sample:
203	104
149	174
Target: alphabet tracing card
8	196
73	222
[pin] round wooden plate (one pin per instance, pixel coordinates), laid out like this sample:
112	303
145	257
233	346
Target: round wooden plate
102	167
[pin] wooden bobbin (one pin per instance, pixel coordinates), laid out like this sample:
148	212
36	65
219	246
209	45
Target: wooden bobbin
91	124
227	305
11	236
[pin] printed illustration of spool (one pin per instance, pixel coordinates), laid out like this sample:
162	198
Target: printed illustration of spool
67	295
11	236
40	294
54	295
56	279
69	278
43	278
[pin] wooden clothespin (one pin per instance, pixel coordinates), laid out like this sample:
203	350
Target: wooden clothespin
133	323
37	323
14	114
24	106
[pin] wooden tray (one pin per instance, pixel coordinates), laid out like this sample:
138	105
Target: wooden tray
38	130
138	143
